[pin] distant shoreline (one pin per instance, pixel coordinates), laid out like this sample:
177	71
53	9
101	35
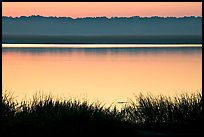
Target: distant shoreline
29	39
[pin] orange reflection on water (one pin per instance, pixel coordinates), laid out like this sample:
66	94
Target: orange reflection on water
108	76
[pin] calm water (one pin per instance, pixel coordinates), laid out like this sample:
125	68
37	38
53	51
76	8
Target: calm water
104	74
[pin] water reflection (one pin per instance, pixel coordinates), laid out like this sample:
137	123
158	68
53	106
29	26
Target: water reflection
107	74
106	50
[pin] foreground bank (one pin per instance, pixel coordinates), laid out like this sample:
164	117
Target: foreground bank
146	115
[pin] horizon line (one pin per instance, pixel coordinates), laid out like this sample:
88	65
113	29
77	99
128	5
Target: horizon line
103	16
99	45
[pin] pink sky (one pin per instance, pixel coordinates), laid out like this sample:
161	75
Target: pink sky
108	9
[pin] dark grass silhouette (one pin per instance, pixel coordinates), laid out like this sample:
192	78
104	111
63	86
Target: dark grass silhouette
146	115
181	114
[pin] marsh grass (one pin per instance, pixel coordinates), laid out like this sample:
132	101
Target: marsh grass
181	114
53	116
164	109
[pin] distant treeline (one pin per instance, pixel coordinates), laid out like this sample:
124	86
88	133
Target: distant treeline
38	25
101	26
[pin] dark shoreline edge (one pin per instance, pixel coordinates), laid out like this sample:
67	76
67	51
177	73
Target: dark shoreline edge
164	39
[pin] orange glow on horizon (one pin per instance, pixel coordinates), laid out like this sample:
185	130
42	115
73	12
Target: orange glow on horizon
108	9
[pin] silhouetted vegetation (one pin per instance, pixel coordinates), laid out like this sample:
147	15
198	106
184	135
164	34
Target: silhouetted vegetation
182	113
145	115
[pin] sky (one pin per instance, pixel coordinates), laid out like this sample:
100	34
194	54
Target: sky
98	9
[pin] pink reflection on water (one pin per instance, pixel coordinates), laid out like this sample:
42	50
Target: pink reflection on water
106	75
